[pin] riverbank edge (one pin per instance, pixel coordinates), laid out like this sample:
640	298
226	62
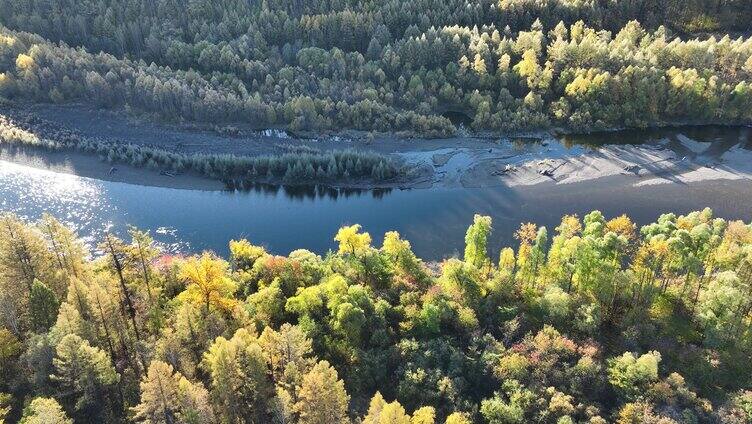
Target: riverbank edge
74	161
90	166
31	138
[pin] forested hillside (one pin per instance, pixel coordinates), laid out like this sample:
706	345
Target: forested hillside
391	66
595	321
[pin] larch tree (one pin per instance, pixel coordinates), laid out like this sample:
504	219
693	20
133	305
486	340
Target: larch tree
241	388
23	253
381	412
144	252
5	406
288	353
169	398
43	410
118	259
208	283
458	418
23	259
68	251
323	399
424	415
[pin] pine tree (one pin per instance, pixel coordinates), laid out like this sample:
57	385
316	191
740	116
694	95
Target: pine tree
84	374
43	307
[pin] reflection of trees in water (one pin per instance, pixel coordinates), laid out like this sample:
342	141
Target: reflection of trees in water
300	192
746	138
521	143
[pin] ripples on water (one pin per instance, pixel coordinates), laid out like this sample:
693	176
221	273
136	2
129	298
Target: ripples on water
288	218
82	204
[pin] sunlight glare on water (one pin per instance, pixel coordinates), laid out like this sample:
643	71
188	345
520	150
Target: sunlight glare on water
434	220
75	201
83	204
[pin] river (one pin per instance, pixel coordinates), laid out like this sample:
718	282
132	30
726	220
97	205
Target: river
434	220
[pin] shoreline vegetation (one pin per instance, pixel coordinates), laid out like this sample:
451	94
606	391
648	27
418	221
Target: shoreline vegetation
596	321
420	69
306	166
370	69
681	153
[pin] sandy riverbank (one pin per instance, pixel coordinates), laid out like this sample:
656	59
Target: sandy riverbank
670	157
117	126
679	156
645	165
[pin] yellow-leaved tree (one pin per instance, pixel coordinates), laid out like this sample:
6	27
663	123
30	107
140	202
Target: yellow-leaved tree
351	240
208	283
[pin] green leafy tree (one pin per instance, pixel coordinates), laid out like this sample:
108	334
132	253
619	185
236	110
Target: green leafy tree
630	375
719	307
476	241
352	241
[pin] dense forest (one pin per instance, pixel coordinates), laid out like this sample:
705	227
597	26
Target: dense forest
597	321
388	66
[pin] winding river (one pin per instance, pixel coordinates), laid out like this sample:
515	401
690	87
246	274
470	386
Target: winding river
284	219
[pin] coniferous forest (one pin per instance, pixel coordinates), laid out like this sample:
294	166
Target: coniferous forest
594	321
391	66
